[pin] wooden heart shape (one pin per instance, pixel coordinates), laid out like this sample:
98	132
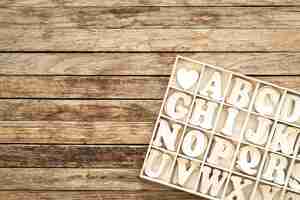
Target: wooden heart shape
187	78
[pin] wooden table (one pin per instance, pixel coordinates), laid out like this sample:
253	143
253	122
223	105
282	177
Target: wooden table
82	81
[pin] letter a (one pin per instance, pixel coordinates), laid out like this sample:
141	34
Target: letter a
214	86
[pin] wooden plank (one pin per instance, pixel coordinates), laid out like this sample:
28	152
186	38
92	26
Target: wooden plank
83	120
151	17
83	87
101	87
291	82
72	156
74	179
117	3
92	195
124	40
79	110
77	121
62	132
142	63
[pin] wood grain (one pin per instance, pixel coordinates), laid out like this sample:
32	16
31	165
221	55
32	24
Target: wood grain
124	40
79	110
142	63
81	83
74	179
83	87
72	156
117	3
75	132
101	87
151	17
77	121
92	195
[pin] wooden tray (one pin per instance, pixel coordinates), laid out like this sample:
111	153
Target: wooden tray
223	135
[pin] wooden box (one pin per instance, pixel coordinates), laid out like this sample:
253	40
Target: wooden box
223	135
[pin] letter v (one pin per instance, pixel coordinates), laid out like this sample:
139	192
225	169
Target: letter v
183	171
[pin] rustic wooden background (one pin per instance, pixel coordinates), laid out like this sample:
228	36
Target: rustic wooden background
81	82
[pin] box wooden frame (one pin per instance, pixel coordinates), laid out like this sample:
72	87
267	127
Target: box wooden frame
249	111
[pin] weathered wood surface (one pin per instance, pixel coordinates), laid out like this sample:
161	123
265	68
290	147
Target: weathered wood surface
74	179
74	132
82	87
79	110
101	87
92	195
117	3
72	156
150	17
77	121
124	40
81	83
142	63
